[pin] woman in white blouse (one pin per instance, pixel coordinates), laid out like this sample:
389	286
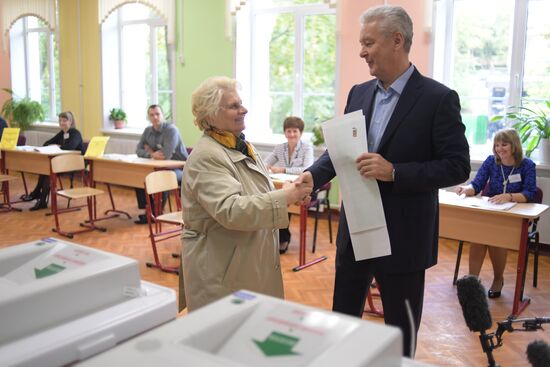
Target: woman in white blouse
291	157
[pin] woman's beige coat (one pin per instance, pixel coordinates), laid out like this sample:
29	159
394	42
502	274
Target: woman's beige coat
231	214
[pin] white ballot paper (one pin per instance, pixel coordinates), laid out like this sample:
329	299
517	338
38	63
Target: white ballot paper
346	139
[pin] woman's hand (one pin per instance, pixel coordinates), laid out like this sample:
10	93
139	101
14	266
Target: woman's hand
276	169
501	198
466	190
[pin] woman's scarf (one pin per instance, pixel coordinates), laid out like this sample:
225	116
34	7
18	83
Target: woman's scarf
231	141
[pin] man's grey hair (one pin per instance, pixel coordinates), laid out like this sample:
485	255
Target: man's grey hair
391	19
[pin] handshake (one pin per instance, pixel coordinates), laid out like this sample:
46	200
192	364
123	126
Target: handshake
298	192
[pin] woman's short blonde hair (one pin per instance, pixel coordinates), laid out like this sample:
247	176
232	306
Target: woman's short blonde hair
511	137
206	99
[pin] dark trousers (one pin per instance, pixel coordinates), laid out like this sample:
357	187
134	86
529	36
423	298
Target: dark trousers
352	282
140	193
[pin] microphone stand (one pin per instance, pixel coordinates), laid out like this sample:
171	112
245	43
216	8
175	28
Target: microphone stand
487	340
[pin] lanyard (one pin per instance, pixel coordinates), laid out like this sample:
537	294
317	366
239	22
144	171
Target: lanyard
505	179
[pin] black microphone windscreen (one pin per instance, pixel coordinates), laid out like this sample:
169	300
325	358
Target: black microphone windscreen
538	354
473	301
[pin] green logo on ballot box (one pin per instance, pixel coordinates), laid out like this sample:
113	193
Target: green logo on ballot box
48	270
277	344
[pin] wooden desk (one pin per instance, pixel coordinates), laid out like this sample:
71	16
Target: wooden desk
501	228
128	172
303	209
31	161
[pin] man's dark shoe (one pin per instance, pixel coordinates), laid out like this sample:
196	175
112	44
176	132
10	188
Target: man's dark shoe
142	219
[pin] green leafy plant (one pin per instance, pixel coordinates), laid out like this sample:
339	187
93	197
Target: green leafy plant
21	112
317	138
532	125
117	114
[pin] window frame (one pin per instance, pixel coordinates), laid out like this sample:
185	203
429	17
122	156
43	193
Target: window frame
246	26
25	91
520	27
153	24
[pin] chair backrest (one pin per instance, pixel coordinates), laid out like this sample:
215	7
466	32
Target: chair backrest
67	163
160	181
22	140
538	196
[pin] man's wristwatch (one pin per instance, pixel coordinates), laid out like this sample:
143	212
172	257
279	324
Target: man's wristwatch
393	175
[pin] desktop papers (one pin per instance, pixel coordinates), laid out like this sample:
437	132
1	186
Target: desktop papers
346	139
473	201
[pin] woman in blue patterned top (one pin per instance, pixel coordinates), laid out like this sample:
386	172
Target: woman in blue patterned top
509	178
292	157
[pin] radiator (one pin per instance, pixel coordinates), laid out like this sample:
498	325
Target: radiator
37	138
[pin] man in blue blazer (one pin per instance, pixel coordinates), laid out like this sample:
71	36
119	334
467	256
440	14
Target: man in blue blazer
416	145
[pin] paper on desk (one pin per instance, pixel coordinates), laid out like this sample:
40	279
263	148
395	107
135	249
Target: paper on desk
346	139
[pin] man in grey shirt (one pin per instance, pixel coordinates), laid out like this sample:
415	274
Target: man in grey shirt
160	141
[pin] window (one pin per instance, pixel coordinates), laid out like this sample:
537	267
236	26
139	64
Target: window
34	64
495	54
137	64
286	61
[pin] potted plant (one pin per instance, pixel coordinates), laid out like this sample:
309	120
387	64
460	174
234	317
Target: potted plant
21	112
118	116
533	127
317	139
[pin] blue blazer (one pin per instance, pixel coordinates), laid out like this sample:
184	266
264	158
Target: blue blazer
425	142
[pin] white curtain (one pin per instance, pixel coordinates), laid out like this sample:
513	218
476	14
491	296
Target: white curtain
11	10
165	8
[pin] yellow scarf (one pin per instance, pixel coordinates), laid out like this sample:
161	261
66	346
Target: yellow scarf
230	141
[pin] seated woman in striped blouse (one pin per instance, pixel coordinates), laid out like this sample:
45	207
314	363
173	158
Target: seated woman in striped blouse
291	157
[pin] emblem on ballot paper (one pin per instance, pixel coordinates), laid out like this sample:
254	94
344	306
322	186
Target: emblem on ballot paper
354	132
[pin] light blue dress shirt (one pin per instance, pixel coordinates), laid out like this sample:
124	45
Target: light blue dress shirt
384	105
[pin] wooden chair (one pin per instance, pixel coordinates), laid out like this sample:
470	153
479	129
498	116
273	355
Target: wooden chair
6	206
316	203
73	163
532	243
156	183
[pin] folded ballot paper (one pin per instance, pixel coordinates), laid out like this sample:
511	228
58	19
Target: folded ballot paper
346	139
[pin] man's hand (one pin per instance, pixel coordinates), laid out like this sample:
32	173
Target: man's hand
148	149
297	193
306	180
373	165
158	155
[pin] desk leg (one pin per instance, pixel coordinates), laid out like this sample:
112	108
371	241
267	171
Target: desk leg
520	303
303	229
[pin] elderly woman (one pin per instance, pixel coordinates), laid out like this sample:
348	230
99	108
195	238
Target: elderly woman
231	209
68	138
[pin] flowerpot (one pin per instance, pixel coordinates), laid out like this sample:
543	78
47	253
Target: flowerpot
119	124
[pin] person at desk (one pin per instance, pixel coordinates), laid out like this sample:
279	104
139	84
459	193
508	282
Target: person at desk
506	176
69	138
291	157
230	206
416	145
160	141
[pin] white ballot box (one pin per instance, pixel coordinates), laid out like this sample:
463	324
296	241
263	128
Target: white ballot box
61	302
249	329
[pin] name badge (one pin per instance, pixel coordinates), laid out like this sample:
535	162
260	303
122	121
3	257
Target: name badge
515	178
66	136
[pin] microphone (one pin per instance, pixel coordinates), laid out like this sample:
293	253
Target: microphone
471	295
538	353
